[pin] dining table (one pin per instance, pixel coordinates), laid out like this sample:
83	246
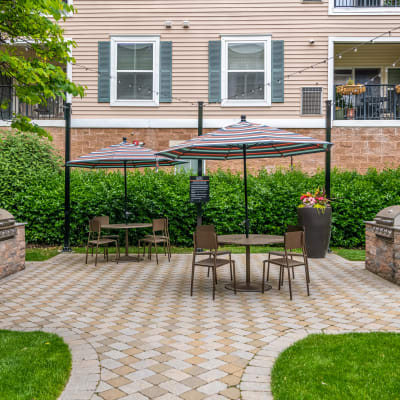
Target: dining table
126	227
251	240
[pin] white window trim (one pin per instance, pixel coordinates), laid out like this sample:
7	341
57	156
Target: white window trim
362	10
155	40
225	40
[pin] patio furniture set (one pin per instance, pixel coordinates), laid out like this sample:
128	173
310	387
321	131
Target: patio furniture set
242	140
206	244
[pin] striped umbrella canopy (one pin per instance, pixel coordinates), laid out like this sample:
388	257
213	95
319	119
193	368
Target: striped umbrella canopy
246	140
124	155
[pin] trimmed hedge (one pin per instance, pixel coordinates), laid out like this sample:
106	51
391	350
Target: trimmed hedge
32	188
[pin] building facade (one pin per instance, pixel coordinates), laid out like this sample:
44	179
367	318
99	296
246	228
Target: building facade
148	63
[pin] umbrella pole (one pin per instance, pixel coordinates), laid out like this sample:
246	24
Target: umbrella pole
246	221
126	195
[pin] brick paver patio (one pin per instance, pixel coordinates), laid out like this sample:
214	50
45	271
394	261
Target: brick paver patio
154	341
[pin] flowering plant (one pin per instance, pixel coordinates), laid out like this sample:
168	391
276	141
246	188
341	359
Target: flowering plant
314	200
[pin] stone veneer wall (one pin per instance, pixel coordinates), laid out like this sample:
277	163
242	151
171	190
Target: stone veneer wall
354	148
382	257
12	253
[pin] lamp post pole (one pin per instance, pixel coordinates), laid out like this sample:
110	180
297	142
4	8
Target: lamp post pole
200	162
67	204
328	152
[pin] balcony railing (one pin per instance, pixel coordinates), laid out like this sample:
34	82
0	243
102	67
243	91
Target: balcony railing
378	102
54	109
367	3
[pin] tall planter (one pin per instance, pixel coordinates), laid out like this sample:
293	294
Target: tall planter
317	227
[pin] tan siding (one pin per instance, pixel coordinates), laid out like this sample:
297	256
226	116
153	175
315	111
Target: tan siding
292	21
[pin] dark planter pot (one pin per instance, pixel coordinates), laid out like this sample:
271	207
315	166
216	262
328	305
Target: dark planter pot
317	227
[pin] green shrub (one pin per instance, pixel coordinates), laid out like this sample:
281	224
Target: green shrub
32	188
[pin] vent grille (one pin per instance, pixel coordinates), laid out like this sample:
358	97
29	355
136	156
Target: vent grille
311	100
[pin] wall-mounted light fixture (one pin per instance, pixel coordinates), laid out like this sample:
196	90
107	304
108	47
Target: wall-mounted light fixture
168	24
186	24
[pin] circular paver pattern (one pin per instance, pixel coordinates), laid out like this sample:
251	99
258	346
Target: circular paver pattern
154	341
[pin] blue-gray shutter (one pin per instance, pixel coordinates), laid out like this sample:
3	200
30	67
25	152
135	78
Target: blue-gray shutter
165	72
214	71
278	81
103	91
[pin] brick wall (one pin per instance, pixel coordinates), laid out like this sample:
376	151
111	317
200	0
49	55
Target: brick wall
12	253
354	148
382	256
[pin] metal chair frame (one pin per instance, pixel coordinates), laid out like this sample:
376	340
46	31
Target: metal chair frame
205	238
287	259
160	235
97	241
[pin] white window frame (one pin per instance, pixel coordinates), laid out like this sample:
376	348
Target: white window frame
225	40
155	41
362	10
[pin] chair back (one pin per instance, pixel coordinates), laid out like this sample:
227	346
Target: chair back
294	240
104	219
160	225
205	237
95	225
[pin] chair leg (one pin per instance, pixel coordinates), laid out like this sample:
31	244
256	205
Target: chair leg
138	250
290	284
95	261
234	276
230	267
293	272
269	258
155	249
280	278
215	273
107	251
263	277
307	278
214	281
191	283
87	252
208	272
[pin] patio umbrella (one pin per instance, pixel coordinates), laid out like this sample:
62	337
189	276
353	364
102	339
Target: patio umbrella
124	155
246	140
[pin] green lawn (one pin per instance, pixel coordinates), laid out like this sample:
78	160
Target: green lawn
42	254
33	365
339	367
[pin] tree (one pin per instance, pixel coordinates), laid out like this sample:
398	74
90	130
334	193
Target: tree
33	52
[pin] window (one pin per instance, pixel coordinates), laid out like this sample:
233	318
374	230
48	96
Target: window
311	100
246	66
134	71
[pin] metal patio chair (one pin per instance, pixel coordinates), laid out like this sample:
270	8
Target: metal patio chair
160	236
95	240
206	244
289	260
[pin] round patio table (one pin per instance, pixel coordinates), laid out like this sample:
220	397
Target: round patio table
252	240
126	227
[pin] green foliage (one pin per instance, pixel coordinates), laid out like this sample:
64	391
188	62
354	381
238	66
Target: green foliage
33	365
37	73
346	366
32	189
